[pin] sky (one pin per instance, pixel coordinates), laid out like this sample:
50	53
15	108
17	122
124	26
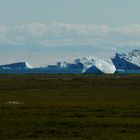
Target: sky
46	31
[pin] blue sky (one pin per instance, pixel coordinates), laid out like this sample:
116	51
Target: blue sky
44	31
111	12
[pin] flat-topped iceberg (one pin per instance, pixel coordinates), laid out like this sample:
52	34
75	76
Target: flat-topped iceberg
18	65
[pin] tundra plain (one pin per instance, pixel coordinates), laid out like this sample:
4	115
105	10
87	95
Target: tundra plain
69	107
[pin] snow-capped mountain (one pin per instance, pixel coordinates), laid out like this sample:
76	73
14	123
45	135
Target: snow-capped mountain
18	65
129	60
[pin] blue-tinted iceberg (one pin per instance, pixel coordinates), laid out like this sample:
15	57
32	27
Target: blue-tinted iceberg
127	61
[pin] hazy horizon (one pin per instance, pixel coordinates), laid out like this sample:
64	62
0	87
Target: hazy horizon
46	31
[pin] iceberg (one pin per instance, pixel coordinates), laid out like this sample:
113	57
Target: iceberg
18	65
94	65
127	61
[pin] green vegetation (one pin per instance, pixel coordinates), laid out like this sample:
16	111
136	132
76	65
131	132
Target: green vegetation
69	107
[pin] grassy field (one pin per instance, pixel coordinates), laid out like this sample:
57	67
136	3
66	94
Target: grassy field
69	107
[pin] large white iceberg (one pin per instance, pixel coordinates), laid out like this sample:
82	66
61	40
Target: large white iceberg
95	65
90	65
